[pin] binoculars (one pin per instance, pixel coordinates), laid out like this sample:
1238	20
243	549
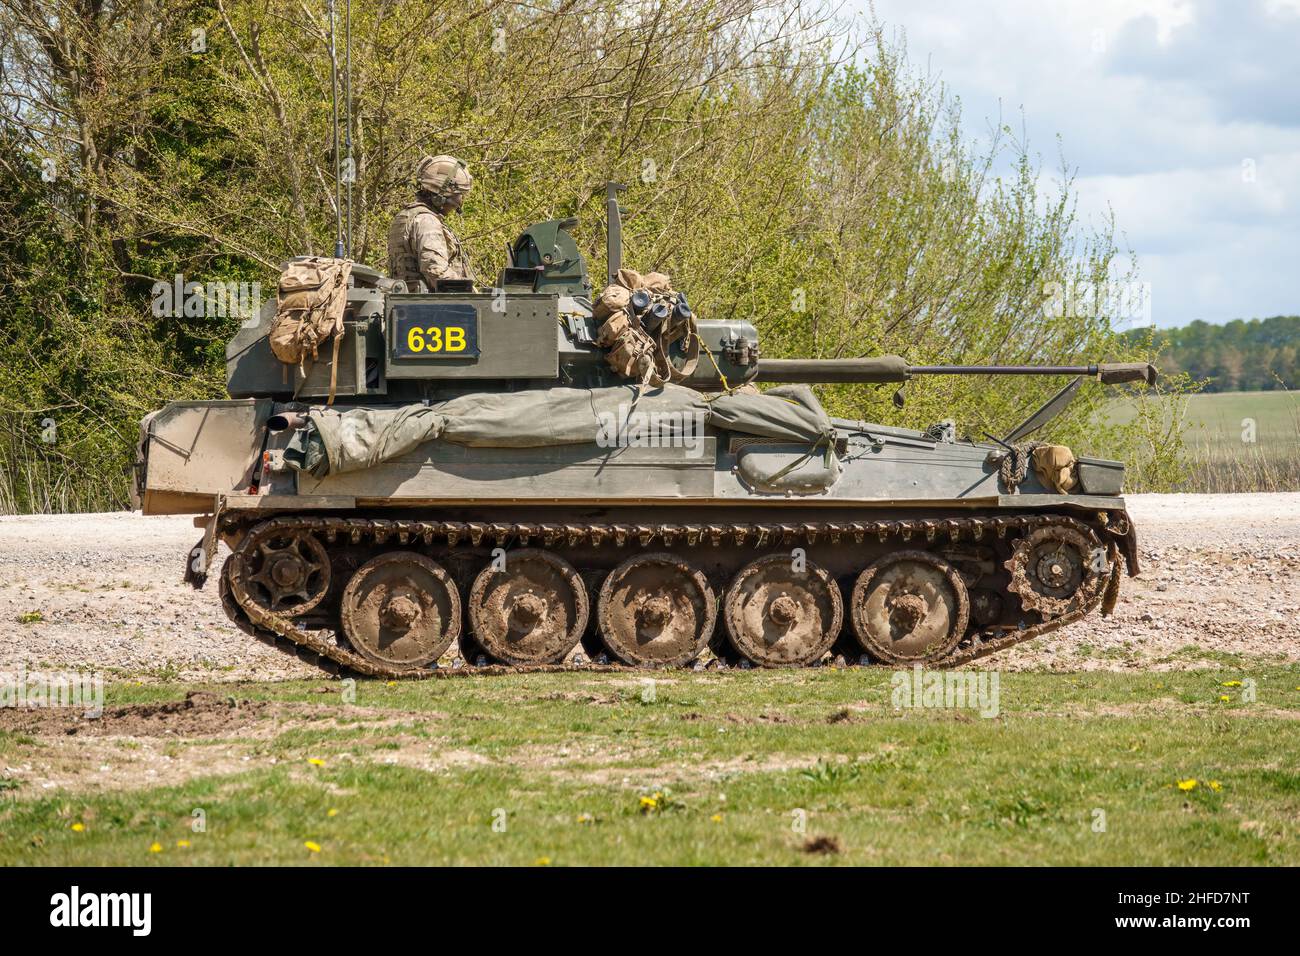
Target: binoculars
653	314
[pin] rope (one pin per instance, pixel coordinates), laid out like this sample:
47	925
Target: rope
826	441
1015	465
714	362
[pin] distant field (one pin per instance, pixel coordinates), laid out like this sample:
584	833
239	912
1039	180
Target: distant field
1223	456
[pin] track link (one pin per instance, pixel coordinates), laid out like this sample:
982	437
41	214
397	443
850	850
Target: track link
280	631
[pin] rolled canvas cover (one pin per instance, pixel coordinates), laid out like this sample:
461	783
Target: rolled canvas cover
337	441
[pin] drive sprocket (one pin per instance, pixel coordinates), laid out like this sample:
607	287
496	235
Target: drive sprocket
1057	569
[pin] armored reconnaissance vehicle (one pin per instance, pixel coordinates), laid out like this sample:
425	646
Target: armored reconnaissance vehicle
522	475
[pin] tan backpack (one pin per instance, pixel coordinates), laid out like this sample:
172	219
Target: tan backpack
631	351
310	302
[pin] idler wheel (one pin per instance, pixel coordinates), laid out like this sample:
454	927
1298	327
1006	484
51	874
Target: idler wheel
532	612
655	610
909	607
779	617
401	609
287	572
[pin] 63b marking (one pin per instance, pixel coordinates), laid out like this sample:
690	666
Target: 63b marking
436	338
435	330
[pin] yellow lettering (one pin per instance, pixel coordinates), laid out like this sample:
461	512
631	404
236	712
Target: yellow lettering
455	340
415	339
435	339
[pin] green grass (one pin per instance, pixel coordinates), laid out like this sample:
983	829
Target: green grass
1226	453
732	763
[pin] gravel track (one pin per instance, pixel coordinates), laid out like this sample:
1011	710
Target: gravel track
103	592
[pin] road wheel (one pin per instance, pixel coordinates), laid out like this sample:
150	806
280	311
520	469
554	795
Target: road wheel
401	609
531	611
909	607
656	610
782	615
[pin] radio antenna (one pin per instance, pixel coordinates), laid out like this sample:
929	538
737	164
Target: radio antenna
334	97
347	129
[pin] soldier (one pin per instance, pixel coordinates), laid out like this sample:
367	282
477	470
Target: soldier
420	245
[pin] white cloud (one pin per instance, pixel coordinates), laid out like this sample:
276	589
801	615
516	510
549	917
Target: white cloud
1157	103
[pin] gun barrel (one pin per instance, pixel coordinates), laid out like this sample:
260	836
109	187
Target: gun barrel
1110	373
892	368
1004	369
878	370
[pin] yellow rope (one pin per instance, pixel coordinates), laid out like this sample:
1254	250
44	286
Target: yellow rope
717	368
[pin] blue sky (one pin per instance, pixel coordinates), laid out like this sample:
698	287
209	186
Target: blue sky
1182	116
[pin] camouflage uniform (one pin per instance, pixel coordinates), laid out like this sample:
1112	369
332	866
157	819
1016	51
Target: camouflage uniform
421	246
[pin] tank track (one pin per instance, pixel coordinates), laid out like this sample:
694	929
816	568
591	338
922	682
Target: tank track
324	650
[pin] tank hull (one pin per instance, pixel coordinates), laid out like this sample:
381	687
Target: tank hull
914	551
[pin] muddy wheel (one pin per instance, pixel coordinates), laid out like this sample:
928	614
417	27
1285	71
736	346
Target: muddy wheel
779	617
287	572
1052	570
909	607
532	612
401	609
656	610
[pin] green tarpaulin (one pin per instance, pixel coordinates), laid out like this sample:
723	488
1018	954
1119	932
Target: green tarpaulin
340	441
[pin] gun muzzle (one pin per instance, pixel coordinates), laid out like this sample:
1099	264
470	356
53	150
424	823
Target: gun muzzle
1117	373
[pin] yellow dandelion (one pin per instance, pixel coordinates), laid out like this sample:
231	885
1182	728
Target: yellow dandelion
316	761
1215	786
542	861
390	683
1224	697
1232	683
182	844
716	818
331	812
78	827
312	845
155	847
585	818
648	804
1186	785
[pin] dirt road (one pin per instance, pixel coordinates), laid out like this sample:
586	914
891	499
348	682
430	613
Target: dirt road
103	592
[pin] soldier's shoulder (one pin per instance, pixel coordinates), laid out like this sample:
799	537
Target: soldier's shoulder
418	210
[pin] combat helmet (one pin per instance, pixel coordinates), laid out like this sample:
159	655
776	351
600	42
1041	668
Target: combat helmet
445	177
